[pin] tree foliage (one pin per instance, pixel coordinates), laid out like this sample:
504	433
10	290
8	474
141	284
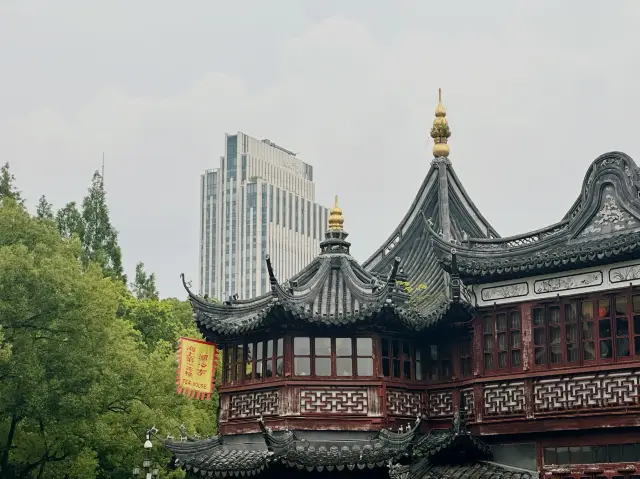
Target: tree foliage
7	186
418	295
85	366
44	210
144	286
99	238
69	220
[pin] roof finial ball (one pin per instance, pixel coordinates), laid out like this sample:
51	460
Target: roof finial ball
336	220
440	131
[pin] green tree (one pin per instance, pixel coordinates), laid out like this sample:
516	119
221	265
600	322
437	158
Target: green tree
7	187
144	286
99	238
44	209
70	222
79	383
418	296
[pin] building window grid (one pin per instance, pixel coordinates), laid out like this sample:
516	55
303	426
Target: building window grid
336	357
592	454
249	362
595	330
502	340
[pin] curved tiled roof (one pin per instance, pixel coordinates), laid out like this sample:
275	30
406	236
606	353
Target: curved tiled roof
211	457
333	290
602	224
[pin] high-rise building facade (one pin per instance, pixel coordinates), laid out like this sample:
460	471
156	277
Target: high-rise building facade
261	200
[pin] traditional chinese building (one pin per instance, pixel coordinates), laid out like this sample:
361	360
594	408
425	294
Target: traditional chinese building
451	352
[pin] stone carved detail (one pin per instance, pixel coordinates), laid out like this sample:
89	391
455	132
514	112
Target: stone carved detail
470	405
609	389
334	401
404	403
564	283
626	273
610	218
254	404
504	398
440	404
507	291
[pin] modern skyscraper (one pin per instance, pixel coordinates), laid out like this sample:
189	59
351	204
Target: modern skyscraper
261	200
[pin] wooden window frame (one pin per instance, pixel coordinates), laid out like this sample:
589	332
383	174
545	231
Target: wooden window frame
493	353
401	358
599	314
234	366
333	357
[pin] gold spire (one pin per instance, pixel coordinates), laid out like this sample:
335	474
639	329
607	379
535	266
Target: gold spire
440	131
336	220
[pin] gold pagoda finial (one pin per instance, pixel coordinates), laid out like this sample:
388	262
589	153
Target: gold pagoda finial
440	131
336	220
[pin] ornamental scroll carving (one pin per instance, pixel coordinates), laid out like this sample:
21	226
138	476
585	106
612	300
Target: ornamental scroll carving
504	398
254	404
609	389
565	283
334	401
610	218
503	292
404	403
440	404
625	273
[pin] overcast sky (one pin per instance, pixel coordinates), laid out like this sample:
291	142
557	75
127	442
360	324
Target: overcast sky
535	91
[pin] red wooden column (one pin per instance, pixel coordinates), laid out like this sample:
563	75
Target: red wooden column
527	336
477	353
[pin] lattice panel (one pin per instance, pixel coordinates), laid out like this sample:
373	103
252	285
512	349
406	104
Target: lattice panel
470	405
440	404
610	389
404	403
334	401
504	398
254	404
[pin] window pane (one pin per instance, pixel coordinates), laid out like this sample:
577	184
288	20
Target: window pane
622	326
270	349
501	322
515	339
302	366
364	346
365	366
269	368
279	367
605	349
621	305
433	350
538	317
323	347
623	347
323	366
515	358
587	310
301	346
604	328
603	308
249	362
344	367
488	324
589	350
259	350
386	367
407	369
343	347
280	350
515	320
538	337
554	315
563	455
550	456
396	368
395	348
385	347
570	312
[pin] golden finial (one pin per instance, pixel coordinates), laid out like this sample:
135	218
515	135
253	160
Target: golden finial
440	131
336	220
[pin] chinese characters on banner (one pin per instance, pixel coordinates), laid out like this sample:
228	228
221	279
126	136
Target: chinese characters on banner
196	368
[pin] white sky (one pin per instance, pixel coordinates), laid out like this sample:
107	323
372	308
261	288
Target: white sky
535	91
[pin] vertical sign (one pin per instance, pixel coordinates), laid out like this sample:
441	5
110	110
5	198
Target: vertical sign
196	368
